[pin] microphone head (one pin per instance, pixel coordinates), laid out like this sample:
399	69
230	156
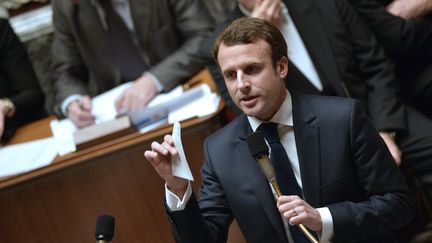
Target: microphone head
257	145
104	227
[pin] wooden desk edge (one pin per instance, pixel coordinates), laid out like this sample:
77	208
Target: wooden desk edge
79	157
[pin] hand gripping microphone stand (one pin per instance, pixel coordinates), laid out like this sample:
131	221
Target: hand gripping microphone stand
259	150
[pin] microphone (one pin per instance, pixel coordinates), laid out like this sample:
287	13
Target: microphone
104	231
259	150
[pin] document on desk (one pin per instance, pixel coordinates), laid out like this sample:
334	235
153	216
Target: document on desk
202	106
178	105
103	110
180	166
164	108
24	157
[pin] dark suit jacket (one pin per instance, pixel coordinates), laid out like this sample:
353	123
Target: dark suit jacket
344	166
18	81
347	58
168	32
409	44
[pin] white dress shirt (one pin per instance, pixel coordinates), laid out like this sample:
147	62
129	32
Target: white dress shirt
297	52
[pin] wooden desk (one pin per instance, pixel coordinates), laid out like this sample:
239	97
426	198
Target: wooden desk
60	202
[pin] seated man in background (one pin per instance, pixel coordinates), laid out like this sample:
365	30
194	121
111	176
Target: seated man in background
99	44
336	175
21	97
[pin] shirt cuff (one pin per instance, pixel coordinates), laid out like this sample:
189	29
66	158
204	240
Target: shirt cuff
174	203
67	101
327	227
159	85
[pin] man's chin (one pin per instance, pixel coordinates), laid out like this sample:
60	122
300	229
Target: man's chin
250	112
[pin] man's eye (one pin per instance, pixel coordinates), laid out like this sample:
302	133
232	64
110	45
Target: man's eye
251	70
230	75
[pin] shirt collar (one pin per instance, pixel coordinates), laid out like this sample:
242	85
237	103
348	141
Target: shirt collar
282	117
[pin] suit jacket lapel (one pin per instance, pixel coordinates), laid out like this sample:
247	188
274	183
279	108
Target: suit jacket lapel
306	134
259	184
307	18
141	15
87	20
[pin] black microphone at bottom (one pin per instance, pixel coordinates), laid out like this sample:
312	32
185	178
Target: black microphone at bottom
104	231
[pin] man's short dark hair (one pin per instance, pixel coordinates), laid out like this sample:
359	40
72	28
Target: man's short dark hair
247	30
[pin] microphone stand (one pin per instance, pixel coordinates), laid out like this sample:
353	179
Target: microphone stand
267	168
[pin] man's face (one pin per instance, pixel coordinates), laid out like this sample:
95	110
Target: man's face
254	84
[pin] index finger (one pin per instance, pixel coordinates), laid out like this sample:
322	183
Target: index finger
287	199
169	139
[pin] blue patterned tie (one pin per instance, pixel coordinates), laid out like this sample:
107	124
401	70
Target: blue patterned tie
284	173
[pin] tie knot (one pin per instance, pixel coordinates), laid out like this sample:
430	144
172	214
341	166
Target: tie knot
269	131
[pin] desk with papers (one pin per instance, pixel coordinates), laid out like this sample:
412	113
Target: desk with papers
59	202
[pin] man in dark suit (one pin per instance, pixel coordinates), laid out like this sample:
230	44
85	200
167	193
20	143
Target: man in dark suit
21	98
351	190
99	44
341	57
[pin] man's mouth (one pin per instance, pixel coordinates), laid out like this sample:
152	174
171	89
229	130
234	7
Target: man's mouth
249	100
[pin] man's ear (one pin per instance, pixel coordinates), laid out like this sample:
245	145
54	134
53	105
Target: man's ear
282	67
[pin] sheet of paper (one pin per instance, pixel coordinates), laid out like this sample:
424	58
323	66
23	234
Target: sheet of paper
174	101
63	134
104	104
19	158
203	106
180	165
164	97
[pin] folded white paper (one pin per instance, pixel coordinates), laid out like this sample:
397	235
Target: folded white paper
180	167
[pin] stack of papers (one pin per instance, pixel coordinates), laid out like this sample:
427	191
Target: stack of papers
177	105
24	157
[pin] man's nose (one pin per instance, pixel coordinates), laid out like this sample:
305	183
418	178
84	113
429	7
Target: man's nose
241	80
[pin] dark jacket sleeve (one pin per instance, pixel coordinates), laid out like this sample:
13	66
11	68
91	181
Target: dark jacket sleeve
398	35
18	80
388	205
193	24
69	72
384	104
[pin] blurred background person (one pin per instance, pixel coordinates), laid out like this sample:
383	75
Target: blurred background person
404	28
21	98
99	44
